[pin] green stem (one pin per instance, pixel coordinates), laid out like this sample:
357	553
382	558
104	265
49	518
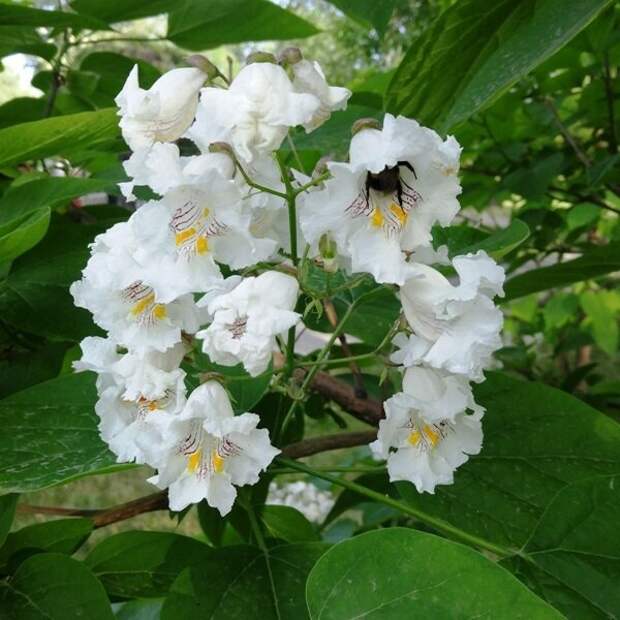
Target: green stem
258	186
439	524
317	181
258	534
322	356
277	471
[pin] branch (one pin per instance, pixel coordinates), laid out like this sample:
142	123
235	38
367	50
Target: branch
308	447
583	158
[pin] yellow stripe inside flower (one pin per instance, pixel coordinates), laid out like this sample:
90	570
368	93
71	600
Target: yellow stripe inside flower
429	434
159	310
195	458
376	218
398	211
184	235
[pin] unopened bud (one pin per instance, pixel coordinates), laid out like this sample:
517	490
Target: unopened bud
364	123
290	56
321	166
261	57
205	65
327	247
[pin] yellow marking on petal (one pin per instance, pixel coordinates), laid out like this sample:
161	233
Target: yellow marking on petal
202	245
139	307
218	463
397	210
194	461
414	438
376	218
429	433
205	212
152	406
160	312
184	235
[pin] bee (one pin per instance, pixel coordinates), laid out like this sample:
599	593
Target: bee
390	183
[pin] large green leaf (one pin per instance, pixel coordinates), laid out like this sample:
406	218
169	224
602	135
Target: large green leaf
234	582
369	13
113	11
397	573
15	15
49	435
54	587
60	135
58	536
35	296
143	564
23	233
24	39
7	512
287	523
595	262
475	50
199	25
24	198
573	556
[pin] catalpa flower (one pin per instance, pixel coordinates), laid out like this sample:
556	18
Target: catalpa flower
163	112
400	181
115	289
308	77
194	225
247	317
162	168
254	113
430	429
455	327
147	376
136	428
210	450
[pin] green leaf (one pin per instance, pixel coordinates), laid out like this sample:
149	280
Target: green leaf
50	435
599	309
23	233
21	110
8	504
398	573
197	25
24	198
474	51
55	587
15	15
143	564
58	536
287	523
24	39
595	262
61	135
368	13
113	11
234	582
211	522
498	244
147	609
573	556
35	296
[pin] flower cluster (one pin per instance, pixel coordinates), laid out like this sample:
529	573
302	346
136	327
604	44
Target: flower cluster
206	148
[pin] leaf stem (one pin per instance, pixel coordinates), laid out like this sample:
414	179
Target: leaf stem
439	524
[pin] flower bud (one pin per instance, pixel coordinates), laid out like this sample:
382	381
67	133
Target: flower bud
321	166
290	56
364	123
261	57
222	147
205	65
328	250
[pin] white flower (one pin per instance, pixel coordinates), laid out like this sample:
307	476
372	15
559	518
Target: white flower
162	168
456	327
135	429
194	225
163	112
254	114
247	318
401	180
309	78
145	376
427	431
211	450
116	290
